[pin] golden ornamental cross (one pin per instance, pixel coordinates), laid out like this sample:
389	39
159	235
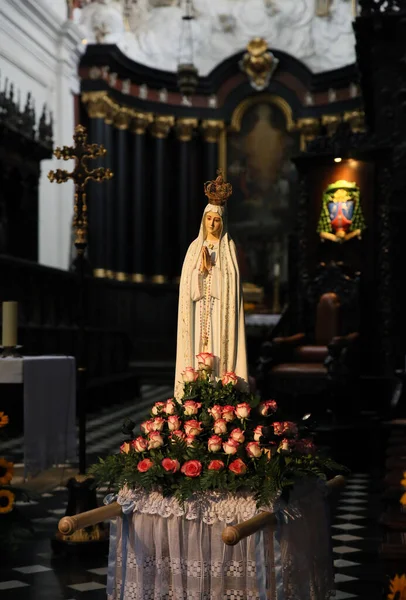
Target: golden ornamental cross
81	152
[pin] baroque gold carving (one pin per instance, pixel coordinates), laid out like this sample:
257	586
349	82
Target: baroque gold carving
309	127
140	121
356	119
184	128
258	63
159	279
330	122
81	174
111	111
101	273
162	125
95	104
239	112
122	118
212	129
138	277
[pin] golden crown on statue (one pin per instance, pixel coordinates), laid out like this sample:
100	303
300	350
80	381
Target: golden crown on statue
218	190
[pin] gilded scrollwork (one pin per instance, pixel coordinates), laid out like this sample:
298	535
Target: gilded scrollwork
331	123
185	128
309	128
258	63
95	103
140	122
162	125
212	129
122	118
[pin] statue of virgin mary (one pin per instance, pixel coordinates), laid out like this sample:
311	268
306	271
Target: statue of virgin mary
211	314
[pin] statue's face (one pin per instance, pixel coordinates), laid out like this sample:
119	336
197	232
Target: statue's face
213	223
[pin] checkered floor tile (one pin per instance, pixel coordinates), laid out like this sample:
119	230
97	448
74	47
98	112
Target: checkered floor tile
39	573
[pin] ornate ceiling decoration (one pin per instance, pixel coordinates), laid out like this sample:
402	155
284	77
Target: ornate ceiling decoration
148	31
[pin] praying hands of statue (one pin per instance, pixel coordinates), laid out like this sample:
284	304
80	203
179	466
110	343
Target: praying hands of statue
206	264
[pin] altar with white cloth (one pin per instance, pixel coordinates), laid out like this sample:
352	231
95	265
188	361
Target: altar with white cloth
49	388
161	550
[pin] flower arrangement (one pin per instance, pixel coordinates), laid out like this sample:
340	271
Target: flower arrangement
403	485
7	497
13	524
217	437
397	589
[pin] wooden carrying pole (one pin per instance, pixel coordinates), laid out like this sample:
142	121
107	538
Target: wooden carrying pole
231	535
68	525
235	533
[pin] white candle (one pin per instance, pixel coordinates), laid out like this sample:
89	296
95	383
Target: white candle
276	270
9	324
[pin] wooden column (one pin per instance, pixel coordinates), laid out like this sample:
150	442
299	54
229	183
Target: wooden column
160	129
212	131
184	130
109	234
139	124
96	108
122	202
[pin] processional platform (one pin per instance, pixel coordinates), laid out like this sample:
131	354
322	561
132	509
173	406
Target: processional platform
217	545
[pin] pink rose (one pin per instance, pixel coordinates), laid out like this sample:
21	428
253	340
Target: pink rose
229	377
144	465
147	426
170	406
253	449
155	440
190	440
158	424
230	446
237	435
285	428
189	375
228	413
258	433
205	361
286	445
125	448
177	434
158	408
243	410
193	427
214	443
173	423
305	446
192	468
191	407
215	465
139	444
220	426
216	411
170	465
238	467
267	407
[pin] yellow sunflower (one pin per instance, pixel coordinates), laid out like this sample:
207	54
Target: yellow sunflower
397	584
3	419
403	500
6	471
6	501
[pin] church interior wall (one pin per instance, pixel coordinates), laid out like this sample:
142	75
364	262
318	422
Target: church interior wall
39	51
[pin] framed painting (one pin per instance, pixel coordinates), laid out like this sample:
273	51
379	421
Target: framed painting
256	156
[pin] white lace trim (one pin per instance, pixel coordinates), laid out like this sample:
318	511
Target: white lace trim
209	507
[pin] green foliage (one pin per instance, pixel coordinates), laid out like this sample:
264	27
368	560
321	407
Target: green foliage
285	456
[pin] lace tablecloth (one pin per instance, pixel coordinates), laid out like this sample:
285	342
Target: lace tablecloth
160	550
